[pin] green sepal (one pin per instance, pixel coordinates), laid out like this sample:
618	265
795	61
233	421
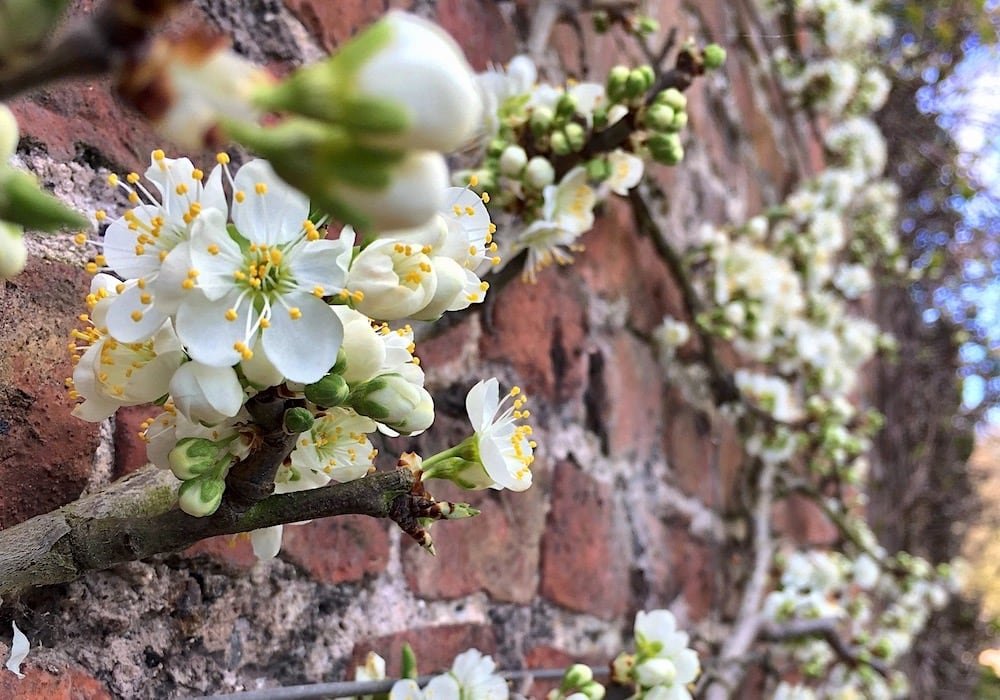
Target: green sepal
408	662
23	202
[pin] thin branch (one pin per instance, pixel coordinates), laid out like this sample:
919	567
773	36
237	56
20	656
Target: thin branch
825	629
747	625
137	517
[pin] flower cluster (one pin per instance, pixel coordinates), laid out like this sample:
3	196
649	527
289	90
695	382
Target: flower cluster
472	677
663	665
611	130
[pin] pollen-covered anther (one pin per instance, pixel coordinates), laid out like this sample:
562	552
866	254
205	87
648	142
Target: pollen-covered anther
213	249
260	188
231	314
318	291
473	180
295	313
240	196
222	158
485	197
136	315
245	352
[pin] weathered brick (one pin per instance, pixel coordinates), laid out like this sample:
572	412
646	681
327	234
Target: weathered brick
585	560
46	454
435	647
130	450
339	549
480	29
497	551
234	550
801	519
332	23
69	684
633	411
539	329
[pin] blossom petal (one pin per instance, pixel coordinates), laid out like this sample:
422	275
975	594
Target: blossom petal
304	348
214	255
203	328
130	320
481	403
18	651
266	541
271	214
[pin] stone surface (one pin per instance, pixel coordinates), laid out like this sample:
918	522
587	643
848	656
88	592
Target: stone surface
585	563
46	454
332	23
340	549
435	647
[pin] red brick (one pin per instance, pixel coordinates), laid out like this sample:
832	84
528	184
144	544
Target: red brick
332	23
802	520
339	549
633	412
705	460
234	550
130	450
45	453
480	29
435	647
70	684
447	353
540	330
497	551
585	560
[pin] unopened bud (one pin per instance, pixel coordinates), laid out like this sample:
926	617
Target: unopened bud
331	390
24	203
193	457
298	420
615	85
8	133
593	690
659	116
565	106
636	84
576	136
713	56
621	669
539	172
598	169
392	400
201	496
646	26
512	161
680	121
541	120
577	676
13	254
673	98
559	143
666	148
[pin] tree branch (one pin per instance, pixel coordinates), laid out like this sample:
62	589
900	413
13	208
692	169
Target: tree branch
825	629
137	517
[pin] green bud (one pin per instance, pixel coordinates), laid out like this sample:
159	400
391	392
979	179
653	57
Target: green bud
24	203
298	420
513	160
646	26
659	117
665	148
713	56
408	662
576	676
27	23
13	254
559	143
539	172
673	98
392	400
615	86
598	169
576	135
593	690
495	148
329	391
8	133
602	22
341	364
201	496
600	117
680	121
192	457
456	511
565	106
648	75
541	120
635	85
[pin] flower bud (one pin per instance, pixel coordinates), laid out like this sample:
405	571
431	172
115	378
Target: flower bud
656	671
713	56
617	79
541	120
13	254
8	133
576	676
601	21
659	116
330	391
621	668
665	148
565	106
576	136
201	496
539	172
647	25
193	456
512	161
673	98
598	169
680	121
298	419
23	202
393	401
593	690
635	85
559	143
402	83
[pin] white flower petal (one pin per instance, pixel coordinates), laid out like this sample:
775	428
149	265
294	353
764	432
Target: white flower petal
272	217
131	321
481	403
205	332
303	349
266	541
18	651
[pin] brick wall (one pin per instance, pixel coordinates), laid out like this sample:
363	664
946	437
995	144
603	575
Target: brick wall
630	482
